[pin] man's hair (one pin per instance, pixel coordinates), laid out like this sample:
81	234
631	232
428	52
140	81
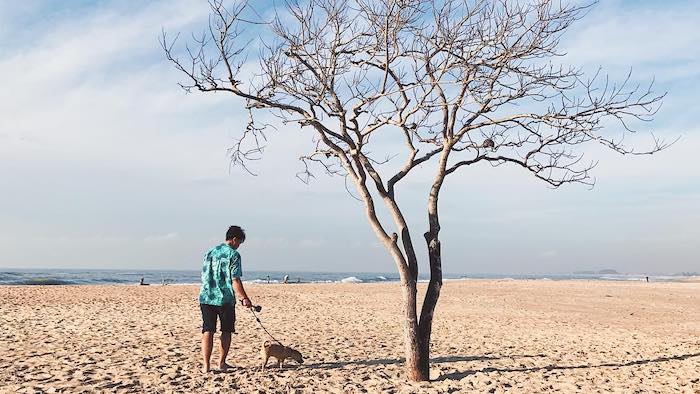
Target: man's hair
235	232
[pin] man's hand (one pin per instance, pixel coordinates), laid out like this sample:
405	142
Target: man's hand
240	292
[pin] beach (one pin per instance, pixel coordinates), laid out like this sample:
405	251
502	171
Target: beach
488	336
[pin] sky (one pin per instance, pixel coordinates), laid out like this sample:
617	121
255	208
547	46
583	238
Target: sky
106	163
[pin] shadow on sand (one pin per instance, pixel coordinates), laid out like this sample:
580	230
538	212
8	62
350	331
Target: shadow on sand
461	375
390	361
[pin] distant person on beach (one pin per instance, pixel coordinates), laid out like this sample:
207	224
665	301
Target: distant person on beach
286	279
142	283
221	276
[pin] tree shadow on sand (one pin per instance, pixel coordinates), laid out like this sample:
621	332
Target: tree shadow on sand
461	375
391	361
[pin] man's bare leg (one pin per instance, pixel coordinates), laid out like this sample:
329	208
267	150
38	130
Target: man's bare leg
207	345
225	346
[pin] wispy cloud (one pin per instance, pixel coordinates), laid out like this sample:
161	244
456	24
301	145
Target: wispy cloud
162	238
549	254
646	35
312	243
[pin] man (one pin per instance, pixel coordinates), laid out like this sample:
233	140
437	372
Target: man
221	276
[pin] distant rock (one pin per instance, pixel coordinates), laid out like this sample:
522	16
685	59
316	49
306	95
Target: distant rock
686	274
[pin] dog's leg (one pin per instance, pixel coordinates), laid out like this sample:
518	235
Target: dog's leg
280	361
265	362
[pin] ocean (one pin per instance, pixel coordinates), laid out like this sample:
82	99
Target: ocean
159	277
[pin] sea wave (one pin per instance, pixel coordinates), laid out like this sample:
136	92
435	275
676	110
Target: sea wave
262	281
131	276
112	280
43	282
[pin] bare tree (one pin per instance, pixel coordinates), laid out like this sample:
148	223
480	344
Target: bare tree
459	82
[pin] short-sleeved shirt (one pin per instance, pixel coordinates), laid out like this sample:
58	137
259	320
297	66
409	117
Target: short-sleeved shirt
221	264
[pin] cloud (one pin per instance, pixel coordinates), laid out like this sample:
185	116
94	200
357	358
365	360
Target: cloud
312	243
275	242
162	238
646	35
71	239
96	87
656	41
549	254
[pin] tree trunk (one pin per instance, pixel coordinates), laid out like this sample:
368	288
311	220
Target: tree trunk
417	357
417	333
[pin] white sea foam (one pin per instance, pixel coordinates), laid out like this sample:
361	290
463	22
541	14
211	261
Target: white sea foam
351	279
261	281
622	277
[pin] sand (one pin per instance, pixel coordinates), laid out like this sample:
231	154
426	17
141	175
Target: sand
488	336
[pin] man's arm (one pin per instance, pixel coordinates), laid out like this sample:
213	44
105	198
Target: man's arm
240	291
236	282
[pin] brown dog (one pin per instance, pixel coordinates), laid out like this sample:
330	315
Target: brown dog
279	352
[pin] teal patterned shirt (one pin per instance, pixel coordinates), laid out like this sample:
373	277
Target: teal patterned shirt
221	264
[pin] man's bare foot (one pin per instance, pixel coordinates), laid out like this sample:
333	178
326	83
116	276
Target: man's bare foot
224	366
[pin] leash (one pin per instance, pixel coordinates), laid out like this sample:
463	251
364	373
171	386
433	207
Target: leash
252	310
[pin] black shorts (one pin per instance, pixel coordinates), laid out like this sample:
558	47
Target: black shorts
225	313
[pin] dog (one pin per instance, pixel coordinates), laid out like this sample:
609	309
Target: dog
280	352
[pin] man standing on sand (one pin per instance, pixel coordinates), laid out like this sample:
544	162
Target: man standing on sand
221	276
